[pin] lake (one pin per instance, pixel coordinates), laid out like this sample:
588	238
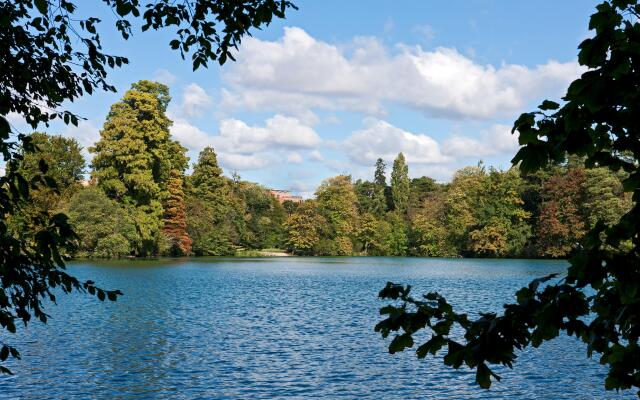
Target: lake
290	328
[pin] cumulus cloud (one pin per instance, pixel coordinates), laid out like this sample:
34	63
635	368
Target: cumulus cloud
315	155
383	140
195	100
298	73
495	140
242	146
278	132
243	162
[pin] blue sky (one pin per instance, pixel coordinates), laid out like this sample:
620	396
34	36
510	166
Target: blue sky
339	83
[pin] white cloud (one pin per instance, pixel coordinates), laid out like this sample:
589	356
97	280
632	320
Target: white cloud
495	140
383	140
278	132
243	162
195	100
298	73
242	147
164	76
15	118
315	155
294	158
189	135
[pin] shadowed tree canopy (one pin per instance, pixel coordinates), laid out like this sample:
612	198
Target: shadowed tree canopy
598	301
49	54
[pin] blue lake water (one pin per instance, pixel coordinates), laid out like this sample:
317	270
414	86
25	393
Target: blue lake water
290	328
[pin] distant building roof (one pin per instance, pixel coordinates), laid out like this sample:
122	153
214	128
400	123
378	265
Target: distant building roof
285	195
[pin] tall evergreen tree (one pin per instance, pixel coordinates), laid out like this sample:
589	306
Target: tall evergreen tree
134	157
212	211
400	184
175	222
207	180
379	176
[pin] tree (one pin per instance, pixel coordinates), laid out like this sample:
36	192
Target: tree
371	198
64	160
49	56
374	235
134	157
429	232
379	176
64	167
419	191
210	210
400	184
501	228
264	217
104	229
561	223
606	199
463	196
304	228
598	301
207	179
398	238
337	202
175	221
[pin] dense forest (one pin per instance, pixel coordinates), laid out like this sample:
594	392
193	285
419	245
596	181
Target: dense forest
141	202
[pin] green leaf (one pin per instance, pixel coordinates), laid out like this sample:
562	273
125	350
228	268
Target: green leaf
483	376
549	105
42	6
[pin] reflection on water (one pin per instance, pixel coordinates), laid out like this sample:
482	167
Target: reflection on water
276	328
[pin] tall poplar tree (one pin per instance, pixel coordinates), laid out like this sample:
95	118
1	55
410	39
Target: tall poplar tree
400	184
379	176
134	157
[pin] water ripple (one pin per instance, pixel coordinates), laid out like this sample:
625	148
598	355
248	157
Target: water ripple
289	328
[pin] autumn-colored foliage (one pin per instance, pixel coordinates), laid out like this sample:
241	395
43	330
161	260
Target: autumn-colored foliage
175	223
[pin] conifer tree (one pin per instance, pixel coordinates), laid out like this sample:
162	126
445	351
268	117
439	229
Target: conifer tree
400	184
175	222
134	156
211	210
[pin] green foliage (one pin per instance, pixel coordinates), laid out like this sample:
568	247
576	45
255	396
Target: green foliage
55	160
304	228
598	300
400	184
264	217
373	235
398	239
371	198
337	202
134	157
209	209
100	223
62	156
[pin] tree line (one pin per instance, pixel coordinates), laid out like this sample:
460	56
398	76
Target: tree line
140	201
